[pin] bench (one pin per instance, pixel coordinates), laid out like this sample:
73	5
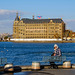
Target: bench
53	60
3	61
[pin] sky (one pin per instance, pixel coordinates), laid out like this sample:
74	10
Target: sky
64	9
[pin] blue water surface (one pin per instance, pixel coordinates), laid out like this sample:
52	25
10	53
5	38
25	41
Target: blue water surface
26	53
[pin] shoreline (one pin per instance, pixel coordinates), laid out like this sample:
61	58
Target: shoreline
41	41
44	41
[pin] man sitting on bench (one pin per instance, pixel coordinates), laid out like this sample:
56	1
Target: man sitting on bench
57	52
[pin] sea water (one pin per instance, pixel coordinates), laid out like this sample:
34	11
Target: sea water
26	53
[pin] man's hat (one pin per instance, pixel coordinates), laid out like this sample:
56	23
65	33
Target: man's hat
56	45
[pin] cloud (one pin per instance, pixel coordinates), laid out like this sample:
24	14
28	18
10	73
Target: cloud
7	18
70	20
9	14
2	12
6	26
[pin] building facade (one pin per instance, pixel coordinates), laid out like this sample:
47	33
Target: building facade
38	28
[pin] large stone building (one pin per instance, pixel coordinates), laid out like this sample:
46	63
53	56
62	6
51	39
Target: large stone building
38	28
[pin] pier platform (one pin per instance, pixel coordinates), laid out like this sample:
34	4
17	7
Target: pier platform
27	70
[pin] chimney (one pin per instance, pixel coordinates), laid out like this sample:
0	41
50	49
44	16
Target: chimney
33	16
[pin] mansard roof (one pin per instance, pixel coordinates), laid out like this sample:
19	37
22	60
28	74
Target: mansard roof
26	20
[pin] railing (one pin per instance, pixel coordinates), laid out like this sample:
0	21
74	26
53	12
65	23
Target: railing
3	61
24	61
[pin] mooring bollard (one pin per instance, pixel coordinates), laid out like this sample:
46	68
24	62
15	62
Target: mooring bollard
73	66
35	66
67	64
8	68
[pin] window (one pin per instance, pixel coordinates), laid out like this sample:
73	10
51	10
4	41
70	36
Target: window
49	36
52	28
56	31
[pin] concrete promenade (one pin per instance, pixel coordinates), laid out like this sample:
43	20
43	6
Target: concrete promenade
43	72
54	72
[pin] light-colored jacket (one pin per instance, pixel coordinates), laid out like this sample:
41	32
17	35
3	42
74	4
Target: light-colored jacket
57	52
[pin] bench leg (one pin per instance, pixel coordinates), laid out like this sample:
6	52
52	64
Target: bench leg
53	65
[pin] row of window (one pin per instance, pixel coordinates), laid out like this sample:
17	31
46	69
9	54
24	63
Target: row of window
54	27
39	37
40	32
32	34
36	27
30	25
54	31
37	31
39	28
35	37
17	24
37	34
32	37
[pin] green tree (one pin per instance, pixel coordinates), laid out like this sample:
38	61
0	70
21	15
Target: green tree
70	34
67	34
57	35
5	37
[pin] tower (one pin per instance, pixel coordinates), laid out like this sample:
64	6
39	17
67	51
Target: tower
17	18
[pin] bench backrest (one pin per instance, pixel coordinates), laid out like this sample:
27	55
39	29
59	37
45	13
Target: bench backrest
54	58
